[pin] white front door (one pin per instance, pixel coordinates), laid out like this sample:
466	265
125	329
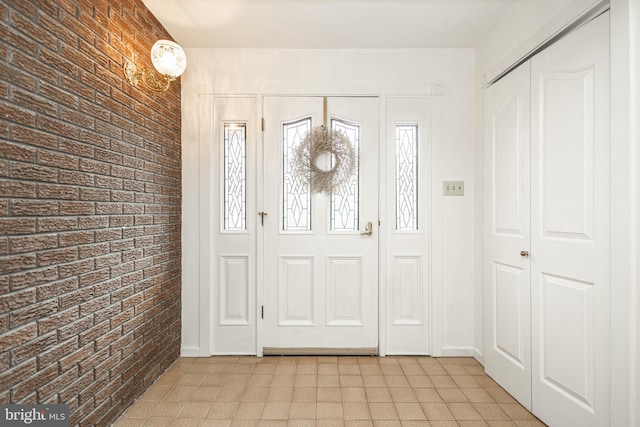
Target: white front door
320	263
570	228
507	237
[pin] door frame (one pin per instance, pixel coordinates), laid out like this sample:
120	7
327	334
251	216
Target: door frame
434	257
206	274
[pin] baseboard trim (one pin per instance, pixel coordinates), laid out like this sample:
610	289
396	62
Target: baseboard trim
319	351
457	351
190	352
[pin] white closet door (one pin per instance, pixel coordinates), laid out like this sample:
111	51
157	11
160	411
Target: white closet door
507	217
570	228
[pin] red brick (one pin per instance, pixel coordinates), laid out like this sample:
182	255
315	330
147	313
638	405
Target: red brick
13	151
33	208
73	359
57	256
55	191
76	238
36	381
27	278
17	300
38	104
46	225
57	352
38	242
17	189
75	268
57	320
32	348
54	289
57	160
18	336
33	312
17	226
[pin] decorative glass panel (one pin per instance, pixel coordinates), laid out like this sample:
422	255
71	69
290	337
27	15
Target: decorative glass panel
407	177
235	183
296	209
344	200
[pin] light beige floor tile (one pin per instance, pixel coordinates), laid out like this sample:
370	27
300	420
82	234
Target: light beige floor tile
351	381
383	411
280	394
370	370
373	381
378	394
473	423
158	422
304	394
348	369
419	381
410	411
276	411
328	381
214	423
393	423
207	393
329	394
326	391
230	394
302	411
403	394
167	410
141	409
194	410
464	411
517	412
305	381
356	411
328	369
353	394
479	395
156	392
437	411
329	411
396	381
452	395
249	411
255	394
185	422
308	369
222	410
427	395
491	411
329	423
181	393
465	381
129	422
283	380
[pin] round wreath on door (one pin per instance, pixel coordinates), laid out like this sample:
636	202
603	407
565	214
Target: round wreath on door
325	159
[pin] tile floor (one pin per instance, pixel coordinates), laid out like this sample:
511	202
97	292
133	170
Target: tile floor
324	391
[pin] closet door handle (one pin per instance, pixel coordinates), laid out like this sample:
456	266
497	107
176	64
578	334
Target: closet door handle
524	254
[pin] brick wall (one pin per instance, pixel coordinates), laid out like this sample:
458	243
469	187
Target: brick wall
89	208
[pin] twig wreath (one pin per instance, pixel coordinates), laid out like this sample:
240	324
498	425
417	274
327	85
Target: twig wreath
318	143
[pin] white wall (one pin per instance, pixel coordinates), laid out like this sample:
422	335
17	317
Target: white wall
340	72
530	23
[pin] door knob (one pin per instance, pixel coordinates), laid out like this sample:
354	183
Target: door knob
524	254
368	230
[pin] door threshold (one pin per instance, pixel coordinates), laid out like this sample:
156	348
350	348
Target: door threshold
319	351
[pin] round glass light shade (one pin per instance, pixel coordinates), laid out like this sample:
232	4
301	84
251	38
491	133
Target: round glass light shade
168	58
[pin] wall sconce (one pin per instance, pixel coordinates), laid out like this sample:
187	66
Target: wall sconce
167	58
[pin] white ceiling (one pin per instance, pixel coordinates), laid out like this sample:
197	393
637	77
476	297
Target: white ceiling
329	23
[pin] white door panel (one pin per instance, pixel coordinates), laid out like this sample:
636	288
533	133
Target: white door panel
570	245
321	273
507	212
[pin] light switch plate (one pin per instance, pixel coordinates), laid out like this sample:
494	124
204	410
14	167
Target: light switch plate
453	188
